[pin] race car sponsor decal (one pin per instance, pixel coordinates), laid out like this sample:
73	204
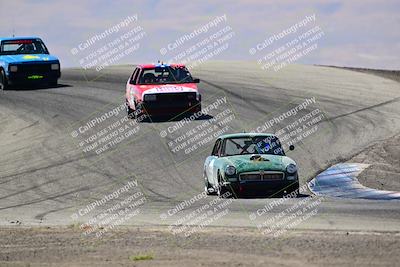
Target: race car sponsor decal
169	89
35	77
31	57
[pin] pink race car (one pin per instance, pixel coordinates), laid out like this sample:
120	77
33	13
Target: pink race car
162	89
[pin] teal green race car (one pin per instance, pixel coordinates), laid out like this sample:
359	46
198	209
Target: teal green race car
250	164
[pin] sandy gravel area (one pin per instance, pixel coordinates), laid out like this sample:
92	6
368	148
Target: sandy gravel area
211	247
384	170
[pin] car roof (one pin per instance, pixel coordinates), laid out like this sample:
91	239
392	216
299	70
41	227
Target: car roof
146	66
238	135
18	38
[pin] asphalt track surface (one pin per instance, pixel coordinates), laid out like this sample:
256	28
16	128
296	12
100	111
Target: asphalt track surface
45	178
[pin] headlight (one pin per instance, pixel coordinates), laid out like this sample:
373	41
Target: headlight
291	168
150	97
230	170
55	66
13	68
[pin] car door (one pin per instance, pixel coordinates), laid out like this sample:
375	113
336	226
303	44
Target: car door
130	87
135	79
209	165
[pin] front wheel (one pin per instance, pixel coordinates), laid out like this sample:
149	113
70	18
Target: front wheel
129	111
3	80
207	186
53	82
222	191
293	190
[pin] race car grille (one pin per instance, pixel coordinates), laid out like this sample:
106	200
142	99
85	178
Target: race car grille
34	68
261	176
172	100
176	97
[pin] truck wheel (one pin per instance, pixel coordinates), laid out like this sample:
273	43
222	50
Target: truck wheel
3	80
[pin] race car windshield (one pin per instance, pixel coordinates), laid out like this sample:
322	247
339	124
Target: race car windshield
17	47
163	75
257	145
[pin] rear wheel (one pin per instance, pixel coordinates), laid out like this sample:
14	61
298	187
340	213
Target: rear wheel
3	80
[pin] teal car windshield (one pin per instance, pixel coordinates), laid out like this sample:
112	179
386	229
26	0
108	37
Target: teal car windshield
23	46
252	145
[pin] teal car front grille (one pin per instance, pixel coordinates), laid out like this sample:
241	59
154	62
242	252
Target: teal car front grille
261	176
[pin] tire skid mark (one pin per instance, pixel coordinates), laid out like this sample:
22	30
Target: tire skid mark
340	180
51	197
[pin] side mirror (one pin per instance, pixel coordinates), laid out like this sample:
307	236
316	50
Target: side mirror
291	147
196	80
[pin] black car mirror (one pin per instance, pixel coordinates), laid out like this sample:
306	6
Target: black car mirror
196	80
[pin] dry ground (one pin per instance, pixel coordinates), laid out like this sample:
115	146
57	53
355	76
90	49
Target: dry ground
211	247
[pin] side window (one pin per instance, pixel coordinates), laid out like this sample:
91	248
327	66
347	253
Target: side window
138	75
134	76
216	148
221	150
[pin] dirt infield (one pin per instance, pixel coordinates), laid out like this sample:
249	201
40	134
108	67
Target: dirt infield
211	247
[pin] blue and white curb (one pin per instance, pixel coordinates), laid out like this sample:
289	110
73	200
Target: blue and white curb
340	180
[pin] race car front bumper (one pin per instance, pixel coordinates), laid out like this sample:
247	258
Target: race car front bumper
172	104
33	73
262	188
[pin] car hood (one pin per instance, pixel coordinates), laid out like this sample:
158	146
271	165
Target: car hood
244	163
28	58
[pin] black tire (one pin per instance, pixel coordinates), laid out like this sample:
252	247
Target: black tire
53	83
140	113
296	187
3	80
130	112
191	111
221	188
207	186
293	190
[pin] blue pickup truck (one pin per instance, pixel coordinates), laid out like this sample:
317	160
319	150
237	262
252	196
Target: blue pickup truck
26	60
